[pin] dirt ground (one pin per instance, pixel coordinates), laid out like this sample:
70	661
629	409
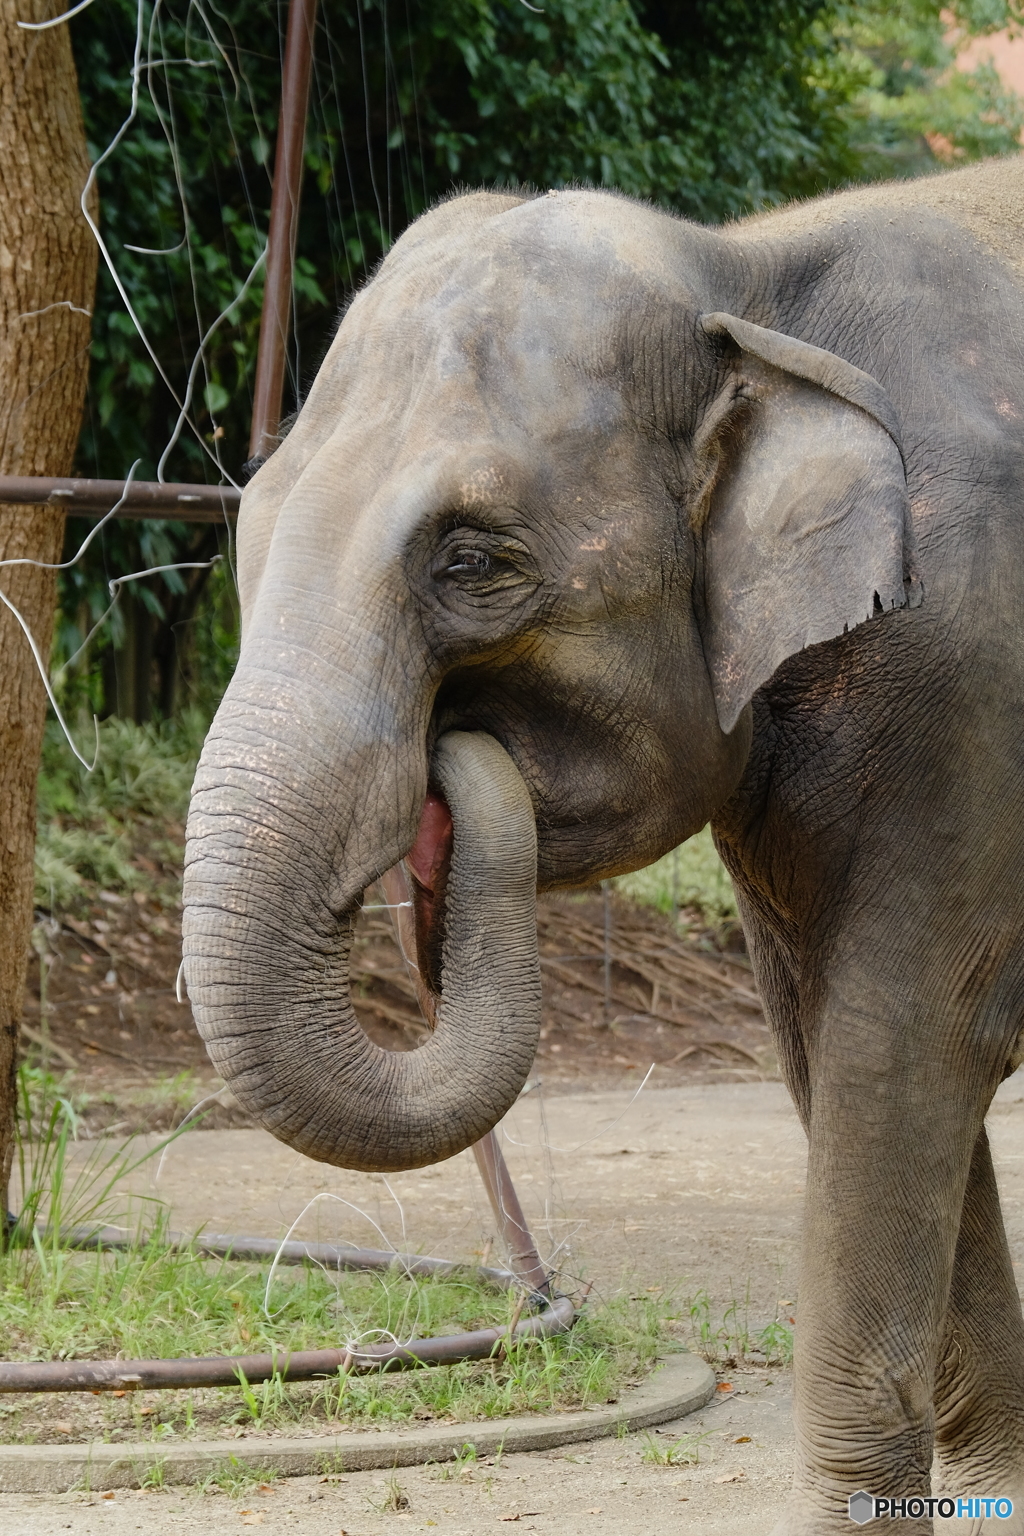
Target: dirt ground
698	1188
112	1020
689	1180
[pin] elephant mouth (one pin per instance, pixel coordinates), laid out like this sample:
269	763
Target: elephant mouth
429	864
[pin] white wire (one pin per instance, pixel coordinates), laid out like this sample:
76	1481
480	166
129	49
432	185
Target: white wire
41	26
181	1126
597	1134
199	359
114	588
323	1195
49	691
136	70
76	309
67	564
144	250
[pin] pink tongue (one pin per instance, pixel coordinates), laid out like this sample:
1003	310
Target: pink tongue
432	850
428	863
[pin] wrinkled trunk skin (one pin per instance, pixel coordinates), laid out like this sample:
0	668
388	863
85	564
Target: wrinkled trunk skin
274	871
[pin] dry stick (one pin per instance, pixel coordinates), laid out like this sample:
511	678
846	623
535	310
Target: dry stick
507	1338
47	1044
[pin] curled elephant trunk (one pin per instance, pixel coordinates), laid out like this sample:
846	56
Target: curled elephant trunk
271	994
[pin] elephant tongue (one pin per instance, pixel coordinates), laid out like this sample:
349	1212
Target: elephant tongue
429	863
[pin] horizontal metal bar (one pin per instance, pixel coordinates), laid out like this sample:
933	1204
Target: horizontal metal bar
145	498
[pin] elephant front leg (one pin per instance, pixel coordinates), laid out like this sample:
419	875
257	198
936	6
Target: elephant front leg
979	1384
887	1165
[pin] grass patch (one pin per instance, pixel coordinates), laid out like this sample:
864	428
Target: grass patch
731	1340
691	877
118	828
684	1452
153	1301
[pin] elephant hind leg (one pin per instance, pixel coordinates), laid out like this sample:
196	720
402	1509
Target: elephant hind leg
979	1379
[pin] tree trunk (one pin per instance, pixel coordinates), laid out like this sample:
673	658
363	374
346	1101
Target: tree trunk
47	281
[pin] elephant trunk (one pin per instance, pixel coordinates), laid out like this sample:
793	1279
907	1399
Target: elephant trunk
267	959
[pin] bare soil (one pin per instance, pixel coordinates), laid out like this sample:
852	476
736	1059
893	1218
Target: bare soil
623	988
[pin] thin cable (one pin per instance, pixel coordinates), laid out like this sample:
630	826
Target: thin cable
49	691
42	26
199	359
323	1195
76	309
597	1134
136	71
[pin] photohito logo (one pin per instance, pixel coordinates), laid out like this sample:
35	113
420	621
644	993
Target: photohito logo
864	1507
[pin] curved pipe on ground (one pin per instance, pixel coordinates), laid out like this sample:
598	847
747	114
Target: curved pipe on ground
303	1365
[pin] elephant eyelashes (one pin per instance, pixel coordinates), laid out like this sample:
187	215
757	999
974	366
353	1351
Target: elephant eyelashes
479	568
474	561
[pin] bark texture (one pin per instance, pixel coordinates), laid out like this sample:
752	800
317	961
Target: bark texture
47	281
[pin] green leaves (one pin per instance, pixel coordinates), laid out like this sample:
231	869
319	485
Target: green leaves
712	108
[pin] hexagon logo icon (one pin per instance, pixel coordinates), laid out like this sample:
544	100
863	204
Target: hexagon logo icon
861	1507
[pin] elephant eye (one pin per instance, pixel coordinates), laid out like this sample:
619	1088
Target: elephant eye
472	561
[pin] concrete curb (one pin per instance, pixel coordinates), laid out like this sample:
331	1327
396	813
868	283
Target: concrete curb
680	1385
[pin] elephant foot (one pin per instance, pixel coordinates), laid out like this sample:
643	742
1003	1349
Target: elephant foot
820	1512
992	1482
989	1466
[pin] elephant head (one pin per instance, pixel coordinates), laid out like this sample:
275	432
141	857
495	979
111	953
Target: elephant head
556	506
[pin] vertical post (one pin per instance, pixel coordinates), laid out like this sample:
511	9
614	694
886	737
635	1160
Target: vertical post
524	1259
607	954
275	321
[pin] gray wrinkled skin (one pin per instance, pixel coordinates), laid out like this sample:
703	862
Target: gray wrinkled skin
695	524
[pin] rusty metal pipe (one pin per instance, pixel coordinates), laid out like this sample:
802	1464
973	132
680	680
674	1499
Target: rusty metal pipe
303	1365
145	498
294	1251
508	1213
275	321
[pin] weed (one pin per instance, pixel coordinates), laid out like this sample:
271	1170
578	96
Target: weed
267	1405
235	1478
775	1343
732	1340
684	1452
152	1476
391	1500
53	1186
462	1465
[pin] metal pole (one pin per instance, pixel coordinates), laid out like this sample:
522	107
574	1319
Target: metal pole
142	499
275	321
508	1213
607	954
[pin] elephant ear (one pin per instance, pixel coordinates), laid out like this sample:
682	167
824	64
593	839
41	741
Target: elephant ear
803	507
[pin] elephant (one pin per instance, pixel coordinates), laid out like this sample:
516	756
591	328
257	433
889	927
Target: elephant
598	525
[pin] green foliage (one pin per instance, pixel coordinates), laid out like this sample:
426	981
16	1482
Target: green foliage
711	108
912	111
152	1301
55	1187
92	825
684	1452
692	875
731	1340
